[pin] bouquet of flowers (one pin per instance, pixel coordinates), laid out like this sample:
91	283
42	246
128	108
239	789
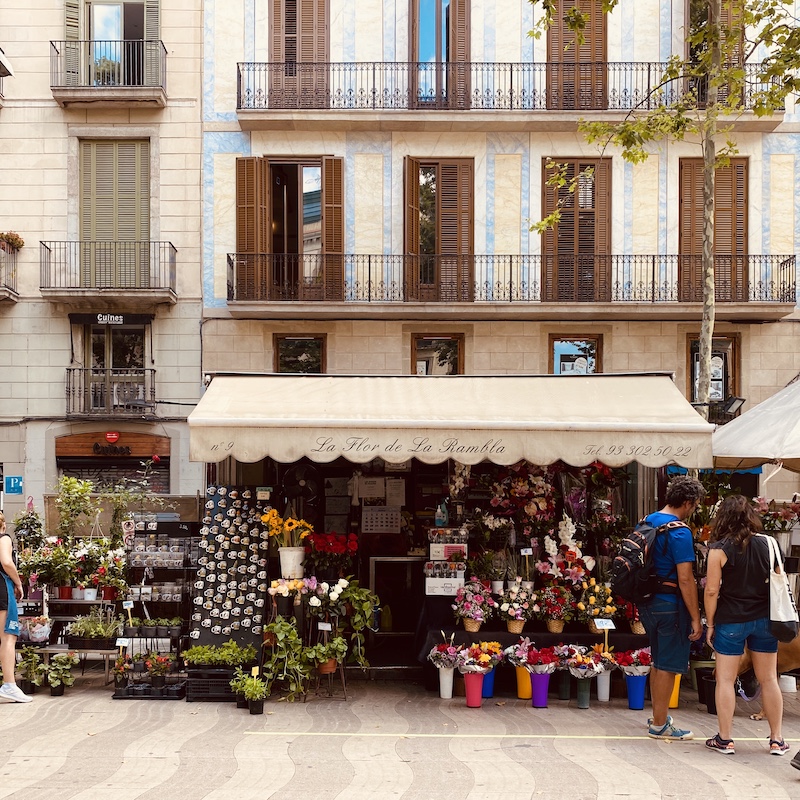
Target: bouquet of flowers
627	609
473	601
481	657
445	654
556	602
517	654
584	663
525	493
516	603
543	660
605	657
634	662
776	517
565	561
287	586
326	599
331	551
595	602
111	569
288	532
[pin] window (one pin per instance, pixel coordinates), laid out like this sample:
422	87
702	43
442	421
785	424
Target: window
730	231
289	229
439	229
724	368
117	380
115	214
439	54
437	354
576	355
299	36
576	260
124	43
576	73
304	354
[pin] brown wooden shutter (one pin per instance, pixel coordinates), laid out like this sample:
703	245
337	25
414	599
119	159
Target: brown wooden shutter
312	36
576	74
602	230
459	89
253	228
411	235
283	54
730	230
454	209
333	227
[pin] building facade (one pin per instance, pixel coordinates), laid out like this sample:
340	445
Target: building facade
100	312
370	181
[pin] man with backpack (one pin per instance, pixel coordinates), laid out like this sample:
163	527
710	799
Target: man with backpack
671	616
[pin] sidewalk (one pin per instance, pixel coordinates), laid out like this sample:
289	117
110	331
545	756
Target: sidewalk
389	740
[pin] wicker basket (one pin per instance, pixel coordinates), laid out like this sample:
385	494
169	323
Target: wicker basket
471	625
592	627
515	625
637	627
555	625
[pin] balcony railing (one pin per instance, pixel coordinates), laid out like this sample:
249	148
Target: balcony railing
107	64
107	265
594	86
116	392
8	269
506	278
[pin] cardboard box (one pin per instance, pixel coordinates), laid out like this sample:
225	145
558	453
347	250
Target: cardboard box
444	587
444	552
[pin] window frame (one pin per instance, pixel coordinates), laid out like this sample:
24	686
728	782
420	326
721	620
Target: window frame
277	338
734	364
553	338
457	337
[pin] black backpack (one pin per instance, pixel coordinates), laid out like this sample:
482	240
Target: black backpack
633	574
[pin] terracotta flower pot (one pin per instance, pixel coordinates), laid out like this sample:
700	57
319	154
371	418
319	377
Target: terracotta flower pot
327	667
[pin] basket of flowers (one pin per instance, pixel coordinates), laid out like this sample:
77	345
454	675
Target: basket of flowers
516	606
473	604
595	603
557	606
631	613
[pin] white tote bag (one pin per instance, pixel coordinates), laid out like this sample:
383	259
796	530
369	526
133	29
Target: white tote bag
783	618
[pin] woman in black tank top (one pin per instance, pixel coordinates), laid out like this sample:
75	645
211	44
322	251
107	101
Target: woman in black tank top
737	612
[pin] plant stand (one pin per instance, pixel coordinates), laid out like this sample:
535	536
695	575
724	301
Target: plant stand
324	683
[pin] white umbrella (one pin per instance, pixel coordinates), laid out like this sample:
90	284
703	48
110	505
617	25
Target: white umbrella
767	433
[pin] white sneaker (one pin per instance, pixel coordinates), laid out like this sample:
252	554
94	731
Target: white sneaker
11	693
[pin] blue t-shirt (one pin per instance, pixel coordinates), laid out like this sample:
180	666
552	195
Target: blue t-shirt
679	549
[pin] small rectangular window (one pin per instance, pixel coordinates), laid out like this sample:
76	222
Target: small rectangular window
575	355
724	368
437	354
300	354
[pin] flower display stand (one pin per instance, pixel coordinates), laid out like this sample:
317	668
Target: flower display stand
523	683
473	683
540	683
636	688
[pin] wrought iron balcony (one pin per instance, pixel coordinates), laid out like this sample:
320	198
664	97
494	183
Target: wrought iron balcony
533	86
8	272
117	268
520	279
108	72
118	393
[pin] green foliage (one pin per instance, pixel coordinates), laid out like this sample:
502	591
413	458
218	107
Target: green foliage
237	682
29	665
363	603
287	662
59	670
29	530
480	565
254	688
229	654
75	505
96	624
335	648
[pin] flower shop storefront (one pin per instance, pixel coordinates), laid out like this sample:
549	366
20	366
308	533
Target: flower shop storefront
527	477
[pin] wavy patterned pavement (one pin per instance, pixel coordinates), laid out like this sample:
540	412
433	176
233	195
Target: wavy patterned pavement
389	740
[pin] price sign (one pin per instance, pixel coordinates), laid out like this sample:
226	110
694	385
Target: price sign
254	672
605	624
127	604
526	551
123	642
324	626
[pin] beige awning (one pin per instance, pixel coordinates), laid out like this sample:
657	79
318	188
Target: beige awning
577	419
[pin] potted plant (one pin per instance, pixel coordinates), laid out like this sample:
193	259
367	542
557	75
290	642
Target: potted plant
636	666
255	691
480	566
595	603
557	606
149	627
444	657
237	687
158	665
29	668
286	662
59	672
98	630
327	656
10	241
132	627
138	662
174	626
289	534
515	606
121	670
473	604
331	554
75	505
162	627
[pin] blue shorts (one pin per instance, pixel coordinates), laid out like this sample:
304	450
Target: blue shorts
12	618
731	637
668	626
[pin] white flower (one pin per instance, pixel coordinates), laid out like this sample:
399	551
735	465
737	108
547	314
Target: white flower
504	607
324	586
343	583
314	601
334	596
550	546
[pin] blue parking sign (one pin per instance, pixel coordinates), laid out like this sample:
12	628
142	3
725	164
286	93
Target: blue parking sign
13	484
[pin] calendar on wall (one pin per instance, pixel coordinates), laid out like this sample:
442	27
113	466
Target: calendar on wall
381	519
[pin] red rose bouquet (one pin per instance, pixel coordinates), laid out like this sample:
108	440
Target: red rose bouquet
634	662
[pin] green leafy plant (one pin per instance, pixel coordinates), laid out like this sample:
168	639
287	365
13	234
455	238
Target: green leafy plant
29	529
254	688
335	648
29	665
237	681
362	603
96	624
480	565
59	670
286	661
229	654
159	663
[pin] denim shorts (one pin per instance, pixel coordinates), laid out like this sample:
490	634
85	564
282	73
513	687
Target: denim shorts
731	637
668	626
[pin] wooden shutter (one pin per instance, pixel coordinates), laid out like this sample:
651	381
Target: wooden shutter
152	44
576	74
459	89
313	45
115	213
333	227
454	212
253	228
411	236
730	230
576	260
72	46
